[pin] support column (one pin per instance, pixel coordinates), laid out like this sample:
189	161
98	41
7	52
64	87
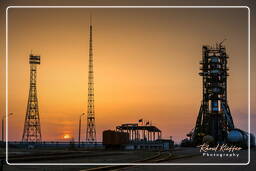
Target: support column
148	136
131	135
136	136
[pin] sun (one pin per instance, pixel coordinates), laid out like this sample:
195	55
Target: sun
66	136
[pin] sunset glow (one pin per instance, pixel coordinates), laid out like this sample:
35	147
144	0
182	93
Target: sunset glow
146	64
66	136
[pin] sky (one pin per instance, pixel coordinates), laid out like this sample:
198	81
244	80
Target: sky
146	64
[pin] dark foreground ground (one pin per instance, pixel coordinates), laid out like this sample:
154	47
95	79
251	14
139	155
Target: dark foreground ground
243	157
185	155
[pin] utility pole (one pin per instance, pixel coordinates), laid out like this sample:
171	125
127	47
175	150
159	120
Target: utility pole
79	131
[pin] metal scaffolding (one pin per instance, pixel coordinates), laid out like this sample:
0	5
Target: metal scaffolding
214	118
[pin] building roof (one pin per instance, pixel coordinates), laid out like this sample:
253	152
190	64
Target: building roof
135	126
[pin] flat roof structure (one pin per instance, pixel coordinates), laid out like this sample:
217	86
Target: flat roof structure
140	132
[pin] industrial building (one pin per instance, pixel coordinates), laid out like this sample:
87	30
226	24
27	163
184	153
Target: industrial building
132	136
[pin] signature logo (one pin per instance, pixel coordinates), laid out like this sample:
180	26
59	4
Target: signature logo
220	150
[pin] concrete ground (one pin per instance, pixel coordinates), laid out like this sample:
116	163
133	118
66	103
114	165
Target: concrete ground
119	157
243	156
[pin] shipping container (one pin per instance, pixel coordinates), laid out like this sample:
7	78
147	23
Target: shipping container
111	137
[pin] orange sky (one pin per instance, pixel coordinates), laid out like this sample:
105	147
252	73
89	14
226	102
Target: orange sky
146	66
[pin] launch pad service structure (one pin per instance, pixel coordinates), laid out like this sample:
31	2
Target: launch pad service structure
214	124
214	119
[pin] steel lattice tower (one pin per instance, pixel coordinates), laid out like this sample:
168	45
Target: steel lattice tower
214	117
32	130
91	129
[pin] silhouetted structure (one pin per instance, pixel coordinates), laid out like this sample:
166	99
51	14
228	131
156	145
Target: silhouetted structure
140	132
91	129
32	130
114	139
214	118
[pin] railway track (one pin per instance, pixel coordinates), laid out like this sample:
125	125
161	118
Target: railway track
160	157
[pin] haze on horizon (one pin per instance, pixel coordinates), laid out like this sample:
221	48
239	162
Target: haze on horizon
146	64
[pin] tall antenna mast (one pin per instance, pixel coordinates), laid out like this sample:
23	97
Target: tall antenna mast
91	128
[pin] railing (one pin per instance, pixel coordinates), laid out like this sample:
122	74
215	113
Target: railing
54	144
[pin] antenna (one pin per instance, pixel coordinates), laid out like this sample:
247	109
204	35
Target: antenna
90	18
91	129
